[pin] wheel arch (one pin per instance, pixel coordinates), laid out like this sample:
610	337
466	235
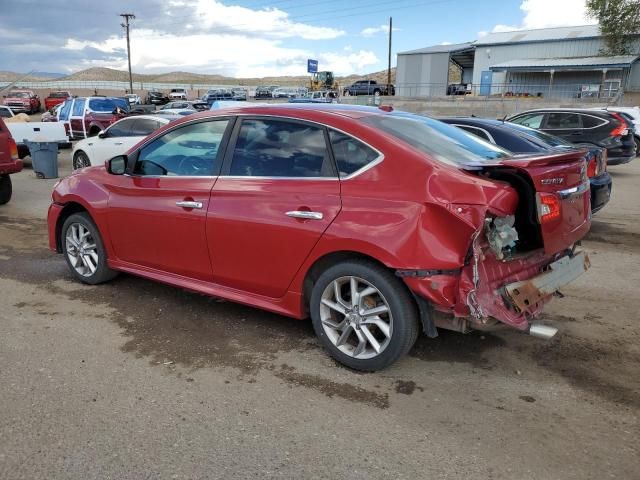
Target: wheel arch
327	260
69	209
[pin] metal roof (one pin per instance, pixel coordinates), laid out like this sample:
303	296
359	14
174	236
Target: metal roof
541	35
572	63
451	48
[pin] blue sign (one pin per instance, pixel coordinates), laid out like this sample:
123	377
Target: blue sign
312	66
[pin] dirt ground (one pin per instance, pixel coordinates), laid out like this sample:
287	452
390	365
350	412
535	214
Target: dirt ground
137	380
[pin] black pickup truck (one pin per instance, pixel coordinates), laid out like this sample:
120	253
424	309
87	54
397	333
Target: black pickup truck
369	87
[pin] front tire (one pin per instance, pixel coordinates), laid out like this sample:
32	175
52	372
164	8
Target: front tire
5	189
84	250
363	315
80	160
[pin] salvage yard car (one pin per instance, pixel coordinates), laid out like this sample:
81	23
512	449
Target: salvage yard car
599	127
22	101
116	139
9	162
375	223
56	98
524	140
85	117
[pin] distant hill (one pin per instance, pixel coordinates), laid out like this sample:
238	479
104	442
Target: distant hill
110	74
34	76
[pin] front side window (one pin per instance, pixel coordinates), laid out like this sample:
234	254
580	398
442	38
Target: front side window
273	148
65	109
78	107
121	128
532	120
351	155
191	150
561	120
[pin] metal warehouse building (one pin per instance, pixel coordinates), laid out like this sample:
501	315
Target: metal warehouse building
550	62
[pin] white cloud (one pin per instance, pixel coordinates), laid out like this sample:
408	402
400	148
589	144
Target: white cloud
548	13
227	40
227	54
446	43
371	31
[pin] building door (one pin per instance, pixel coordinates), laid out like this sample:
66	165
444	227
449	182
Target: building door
485	82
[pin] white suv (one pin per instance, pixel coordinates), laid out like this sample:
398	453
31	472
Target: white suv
178	94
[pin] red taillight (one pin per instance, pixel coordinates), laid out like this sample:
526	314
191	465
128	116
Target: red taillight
621	129
592	167
13	149
548	207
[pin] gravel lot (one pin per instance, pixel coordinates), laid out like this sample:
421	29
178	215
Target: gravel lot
137	380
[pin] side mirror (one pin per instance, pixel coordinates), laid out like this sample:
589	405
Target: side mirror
102	134
117	165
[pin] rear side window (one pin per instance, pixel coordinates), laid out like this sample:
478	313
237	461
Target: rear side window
108	105
272	148
78	107
533	120
478	132
351	155
560	120
591	122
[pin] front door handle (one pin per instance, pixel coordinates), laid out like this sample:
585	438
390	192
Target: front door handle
118	143
189	204
305	214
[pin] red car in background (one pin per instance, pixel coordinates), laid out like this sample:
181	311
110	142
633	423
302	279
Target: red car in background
22	101
85	117
377	224
56	98
9	162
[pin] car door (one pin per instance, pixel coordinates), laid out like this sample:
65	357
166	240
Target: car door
112	142
157	211
76	118
277	195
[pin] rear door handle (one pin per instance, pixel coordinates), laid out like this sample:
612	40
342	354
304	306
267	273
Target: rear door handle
189	204
305	214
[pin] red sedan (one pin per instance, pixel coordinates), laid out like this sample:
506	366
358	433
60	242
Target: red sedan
376	224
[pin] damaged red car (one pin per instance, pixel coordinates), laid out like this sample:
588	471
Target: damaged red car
376	224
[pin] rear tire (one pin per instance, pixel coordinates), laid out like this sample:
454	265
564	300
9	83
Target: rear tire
376	329
84	250
637	141
6	189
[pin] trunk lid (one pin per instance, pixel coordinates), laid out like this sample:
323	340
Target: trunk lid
563	197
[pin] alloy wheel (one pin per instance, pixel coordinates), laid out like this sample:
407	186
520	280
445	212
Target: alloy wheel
81	249
356	317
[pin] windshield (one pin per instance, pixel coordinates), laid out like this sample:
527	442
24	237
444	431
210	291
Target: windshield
108	104
19	94
59	95
443	142
546	138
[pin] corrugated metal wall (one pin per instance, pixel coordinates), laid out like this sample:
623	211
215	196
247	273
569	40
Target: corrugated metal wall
421	75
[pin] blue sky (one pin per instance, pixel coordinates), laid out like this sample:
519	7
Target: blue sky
253	38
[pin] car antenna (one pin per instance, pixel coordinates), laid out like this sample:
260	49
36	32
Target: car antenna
504	118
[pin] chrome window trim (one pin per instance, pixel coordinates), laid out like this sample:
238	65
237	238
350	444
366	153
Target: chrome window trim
574	190
604	121
463	127
379	159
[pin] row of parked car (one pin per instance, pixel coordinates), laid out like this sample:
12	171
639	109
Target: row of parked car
367	219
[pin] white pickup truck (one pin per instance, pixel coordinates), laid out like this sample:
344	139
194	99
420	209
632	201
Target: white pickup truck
34	132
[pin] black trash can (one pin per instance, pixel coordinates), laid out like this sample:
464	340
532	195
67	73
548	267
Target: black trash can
44	157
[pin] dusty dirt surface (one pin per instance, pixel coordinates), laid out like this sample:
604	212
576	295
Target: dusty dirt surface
137	380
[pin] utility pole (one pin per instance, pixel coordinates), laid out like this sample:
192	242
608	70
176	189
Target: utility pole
389	65
125	25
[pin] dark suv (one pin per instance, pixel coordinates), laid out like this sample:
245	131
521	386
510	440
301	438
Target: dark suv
599	127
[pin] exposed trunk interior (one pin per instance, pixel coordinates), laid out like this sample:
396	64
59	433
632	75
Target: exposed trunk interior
526	221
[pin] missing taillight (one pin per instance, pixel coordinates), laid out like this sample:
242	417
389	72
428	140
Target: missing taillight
548	207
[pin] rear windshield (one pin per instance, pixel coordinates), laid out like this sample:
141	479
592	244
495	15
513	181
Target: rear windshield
58	95
443	142
546	138
108	104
